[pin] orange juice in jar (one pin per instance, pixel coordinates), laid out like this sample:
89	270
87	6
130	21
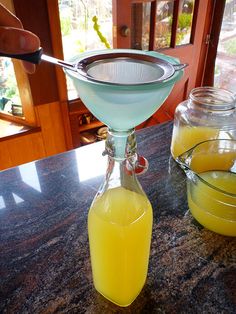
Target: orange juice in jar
209	113
210	168
212	201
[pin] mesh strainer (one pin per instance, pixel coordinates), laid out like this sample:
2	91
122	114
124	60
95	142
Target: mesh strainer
119	68
126	68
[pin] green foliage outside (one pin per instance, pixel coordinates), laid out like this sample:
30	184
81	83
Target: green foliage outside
79	46
184	24
230	47
11	90
185	20
190	6
8	89
217	70
66	26
96	27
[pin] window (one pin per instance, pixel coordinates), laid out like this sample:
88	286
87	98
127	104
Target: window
85	25
140	25
225	66
10	101
185	19
164	20
15	96
159	24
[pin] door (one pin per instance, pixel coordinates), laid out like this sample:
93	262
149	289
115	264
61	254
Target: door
225	61
178	28
221	58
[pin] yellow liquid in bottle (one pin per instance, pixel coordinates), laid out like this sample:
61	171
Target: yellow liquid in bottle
212	208
184	138
119	227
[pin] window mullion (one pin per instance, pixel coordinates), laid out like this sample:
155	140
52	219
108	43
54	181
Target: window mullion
152	25
174	24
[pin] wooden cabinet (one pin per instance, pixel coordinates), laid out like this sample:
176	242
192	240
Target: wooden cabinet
32	143
83	124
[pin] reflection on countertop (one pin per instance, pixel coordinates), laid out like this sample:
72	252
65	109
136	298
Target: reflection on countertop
44	253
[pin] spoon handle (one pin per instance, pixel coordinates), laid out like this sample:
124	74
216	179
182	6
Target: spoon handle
33	57
38	56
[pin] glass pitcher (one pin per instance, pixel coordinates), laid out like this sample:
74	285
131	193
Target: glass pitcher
210	167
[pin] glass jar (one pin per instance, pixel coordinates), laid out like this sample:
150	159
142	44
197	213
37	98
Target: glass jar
209	113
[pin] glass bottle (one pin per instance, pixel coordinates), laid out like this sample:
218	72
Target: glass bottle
209	113
120	225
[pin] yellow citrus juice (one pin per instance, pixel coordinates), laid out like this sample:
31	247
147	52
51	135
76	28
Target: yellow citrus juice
212	160
120	227
184	138
213	208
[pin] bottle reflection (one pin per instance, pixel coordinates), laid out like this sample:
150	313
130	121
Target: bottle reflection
90	162
2	203
20	185
29	175
39	182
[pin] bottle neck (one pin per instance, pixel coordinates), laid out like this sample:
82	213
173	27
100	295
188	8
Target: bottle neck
212	99
122	157
121	145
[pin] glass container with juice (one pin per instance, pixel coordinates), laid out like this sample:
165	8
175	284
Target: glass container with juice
212	201
211	184
209	113
120	226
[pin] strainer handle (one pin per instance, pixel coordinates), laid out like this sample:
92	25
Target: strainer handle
38	56
180	66
32	57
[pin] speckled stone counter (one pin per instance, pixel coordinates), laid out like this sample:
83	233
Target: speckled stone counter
44	253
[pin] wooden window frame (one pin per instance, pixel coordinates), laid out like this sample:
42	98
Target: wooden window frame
23	85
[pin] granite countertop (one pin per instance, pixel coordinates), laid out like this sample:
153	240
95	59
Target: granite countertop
44	253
